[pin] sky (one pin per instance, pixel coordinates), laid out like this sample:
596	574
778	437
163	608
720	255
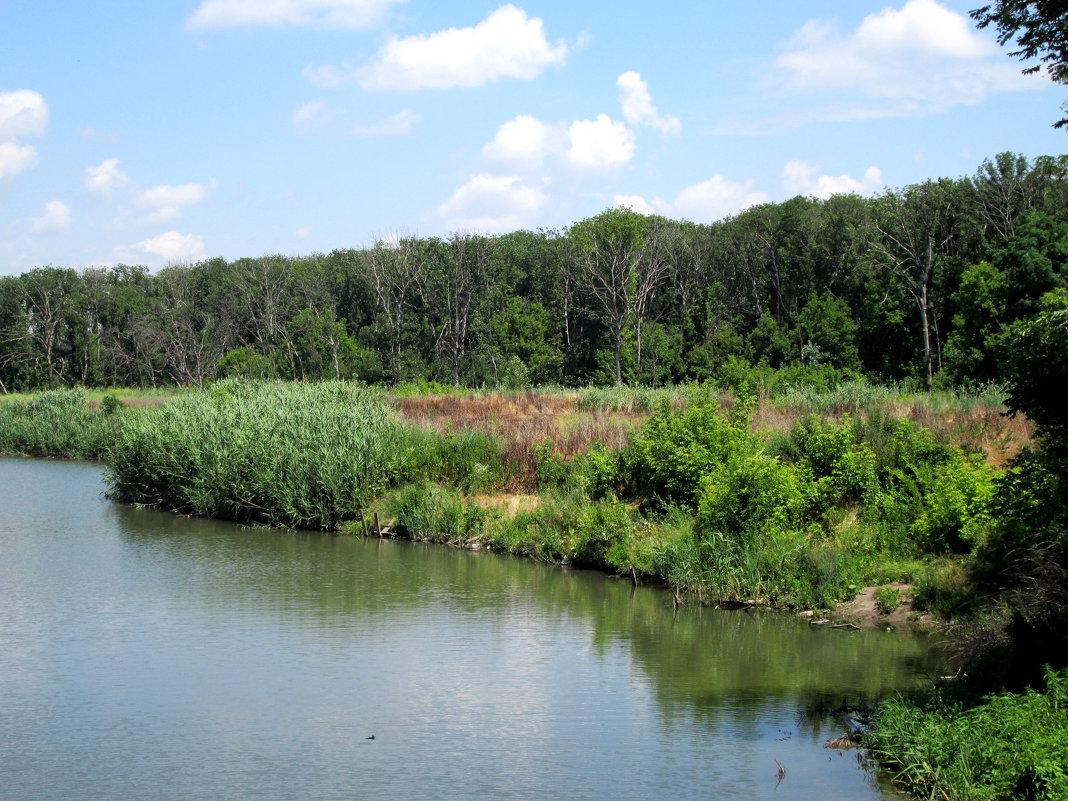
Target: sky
172	131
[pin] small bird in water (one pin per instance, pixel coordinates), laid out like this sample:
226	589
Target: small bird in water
369	738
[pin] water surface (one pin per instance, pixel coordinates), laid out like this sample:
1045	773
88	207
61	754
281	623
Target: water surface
144	655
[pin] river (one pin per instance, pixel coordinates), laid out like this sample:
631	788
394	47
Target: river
149	656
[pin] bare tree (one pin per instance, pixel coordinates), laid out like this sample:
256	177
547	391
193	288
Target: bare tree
915	229
392	270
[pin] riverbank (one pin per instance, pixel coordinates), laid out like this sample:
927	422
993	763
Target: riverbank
798	501
723	497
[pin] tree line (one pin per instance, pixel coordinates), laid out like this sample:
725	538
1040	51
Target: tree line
913	283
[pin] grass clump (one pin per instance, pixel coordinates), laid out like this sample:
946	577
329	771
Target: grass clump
57	423
995	748
308	455
887	599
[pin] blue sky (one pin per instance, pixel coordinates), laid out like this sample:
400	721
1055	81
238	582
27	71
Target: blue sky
172	131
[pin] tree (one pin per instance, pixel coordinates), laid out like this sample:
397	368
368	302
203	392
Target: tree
449	277
916	230
1040	29
617	271
392	271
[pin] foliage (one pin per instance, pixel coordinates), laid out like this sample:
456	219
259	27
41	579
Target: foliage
887	599
1009	746
826	290
675	450
307	455
58	423
1040	30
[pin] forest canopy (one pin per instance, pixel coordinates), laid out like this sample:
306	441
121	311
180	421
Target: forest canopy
916	283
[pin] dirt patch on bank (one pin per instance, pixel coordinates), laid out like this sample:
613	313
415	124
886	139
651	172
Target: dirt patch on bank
864	611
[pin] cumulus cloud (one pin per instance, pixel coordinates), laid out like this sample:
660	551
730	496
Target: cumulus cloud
173	247
492	203
507	44
638	108
105	177
634	203
56	217
317	117
921	58
716	198
23	112
16	158
216	14
525	142
800	178
600	143
165	203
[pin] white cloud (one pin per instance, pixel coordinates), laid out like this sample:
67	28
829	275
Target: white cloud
174	247
920	59
317	117
525	142
600	143
638	108
492	203
507	44
216	14
166	202
716	198
400	124
16	158
23	112
634	203
106	177
799	178
56	217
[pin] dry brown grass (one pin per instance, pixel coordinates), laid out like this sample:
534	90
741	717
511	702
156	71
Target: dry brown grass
523	421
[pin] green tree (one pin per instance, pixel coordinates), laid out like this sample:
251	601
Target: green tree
827	323
980	303
1040	30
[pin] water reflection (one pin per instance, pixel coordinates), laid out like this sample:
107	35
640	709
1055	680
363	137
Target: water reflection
150	655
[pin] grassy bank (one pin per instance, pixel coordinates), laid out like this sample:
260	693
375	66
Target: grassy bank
794	496
999	746
784	498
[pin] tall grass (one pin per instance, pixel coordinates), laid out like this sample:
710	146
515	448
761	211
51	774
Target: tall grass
1005	747
57	423
307	455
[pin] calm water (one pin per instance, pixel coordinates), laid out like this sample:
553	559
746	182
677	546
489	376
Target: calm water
145	656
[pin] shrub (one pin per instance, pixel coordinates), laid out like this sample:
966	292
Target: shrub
1005	747
56	423
675	450
887	599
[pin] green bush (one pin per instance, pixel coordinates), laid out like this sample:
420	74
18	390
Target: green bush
667	460
887	599
1004	748
749	495
439	514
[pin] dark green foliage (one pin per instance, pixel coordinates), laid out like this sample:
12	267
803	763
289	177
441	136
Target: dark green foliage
826	288
1008	747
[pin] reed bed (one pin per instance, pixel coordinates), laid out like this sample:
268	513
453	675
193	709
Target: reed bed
306	455
57	423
